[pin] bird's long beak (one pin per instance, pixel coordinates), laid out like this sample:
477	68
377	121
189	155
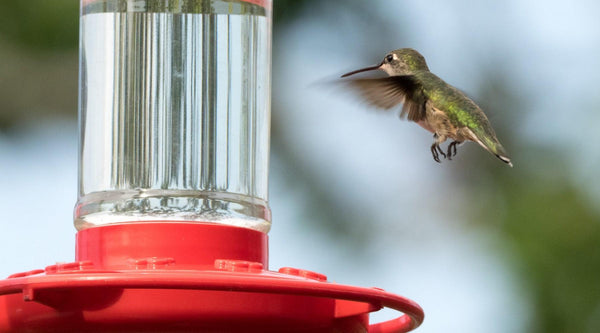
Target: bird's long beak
363	70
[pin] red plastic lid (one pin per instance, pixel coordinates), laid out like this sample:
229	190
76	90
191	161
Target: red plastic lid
168	285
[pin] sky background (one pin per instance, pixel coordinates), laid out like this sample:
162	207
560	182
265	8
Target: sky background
354	192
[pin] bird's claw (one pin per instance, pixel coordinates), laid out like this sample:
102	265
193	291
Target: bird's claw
436	151
452	149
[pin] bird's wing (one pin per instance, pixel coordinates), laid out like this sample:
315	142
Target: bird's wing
390	91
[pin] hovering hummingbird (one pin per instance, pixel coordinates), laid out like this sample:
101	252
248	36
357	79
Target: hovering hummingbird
430	102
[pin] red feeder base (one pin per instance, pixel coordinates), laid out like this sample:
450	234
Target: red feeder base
183	277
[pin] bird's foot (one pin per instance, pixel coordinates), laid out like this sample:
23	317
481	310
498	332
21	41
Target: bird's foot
452	149
436	151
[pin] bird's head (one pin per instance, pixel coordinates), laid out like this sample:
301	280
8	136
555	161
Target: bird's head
398	62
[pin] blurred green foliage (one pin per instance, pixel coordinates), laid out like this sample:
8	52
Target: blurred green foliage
556	236
546	223
38	60
40	25
551	234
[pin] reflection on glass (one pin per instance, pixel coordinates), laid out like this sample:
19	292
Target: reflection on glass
174	112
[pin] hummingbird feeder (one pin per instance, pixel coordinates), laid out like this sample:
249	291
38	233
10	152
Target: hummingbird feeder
172	213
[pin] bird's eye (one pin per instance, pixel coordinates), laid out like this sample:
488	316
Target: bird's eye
389	58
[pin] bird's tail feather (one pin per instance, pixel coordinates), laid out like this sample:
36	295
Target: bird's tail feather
505	159
495	147
498	150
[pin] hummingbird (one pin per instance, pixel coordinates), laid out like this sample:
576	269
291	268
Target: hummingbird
430	102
